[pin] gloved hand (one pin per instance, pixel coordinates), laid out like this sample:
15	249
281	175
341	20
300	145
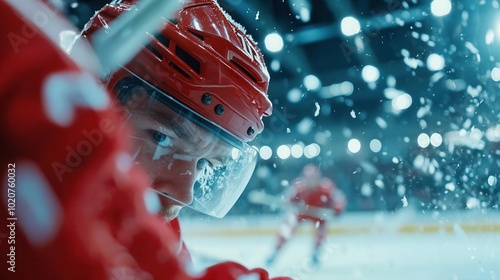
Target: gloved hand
232	270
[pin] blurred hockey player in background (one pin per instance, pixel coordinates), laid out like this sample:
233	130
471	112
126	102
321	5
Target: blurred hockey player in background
312	197
79	169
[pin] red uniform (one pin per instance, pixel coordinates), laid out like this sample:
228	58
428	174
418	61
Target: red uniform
74	206
317	203
313	199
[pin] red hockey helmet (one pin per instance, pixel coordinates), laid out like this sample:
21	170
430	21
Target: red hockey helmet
206	61
205	83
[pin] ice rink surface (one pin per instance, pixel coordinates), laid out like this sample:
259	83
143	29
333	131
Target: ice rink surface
359	246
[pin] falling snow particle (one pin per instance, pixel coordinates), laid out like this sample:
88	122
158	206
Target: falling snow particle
353	114
413	63
492	181
257	15
399	21
423	111
317	109
450	186
456	85
473	50
436	77
405	201
474	91
381	122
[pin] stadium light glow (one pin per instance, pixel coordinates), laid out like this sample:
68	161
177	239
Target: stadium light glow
265	152
423	140
375	145
436	139
312	82
354	146
297	151
350	26
312	150
275	65
440	8
274	42
294	95
283	152
345	88
370	74
402	102
435	62
495	74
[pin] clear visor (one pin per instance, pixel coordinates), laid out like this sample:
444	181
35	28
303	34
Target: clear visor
190	160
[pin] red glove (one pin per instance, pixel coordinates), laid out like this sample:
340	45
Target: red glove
232	270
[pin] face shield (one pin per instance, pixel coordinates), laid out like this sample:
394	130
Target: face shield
190	161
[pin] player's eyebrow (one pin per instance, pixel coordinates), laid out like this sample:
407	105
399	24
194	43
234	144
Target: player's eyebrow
168	121
185	134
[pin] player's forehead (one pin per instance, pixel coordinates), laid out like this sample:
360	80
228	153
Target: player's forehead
143	103
195	139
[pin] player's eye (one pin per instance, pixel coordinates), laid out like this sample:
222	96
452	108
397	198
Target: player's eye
160	138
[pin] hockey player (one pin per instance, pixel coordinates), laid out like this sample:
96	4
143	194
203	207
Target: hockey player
312	198
194	96
77	205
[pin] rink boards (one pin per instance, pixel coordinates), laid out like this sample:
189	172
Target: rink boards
402	222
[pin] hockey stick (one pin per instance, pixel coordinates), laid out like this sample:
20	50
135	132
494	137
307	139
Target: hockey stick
118	44
263	198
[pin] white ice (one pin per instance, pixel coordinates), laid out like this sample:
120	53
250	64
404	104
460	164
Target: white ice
403	245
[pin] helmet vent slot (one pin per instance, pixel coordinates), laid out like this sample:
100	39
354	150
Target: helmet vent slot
244	70
176	67
163	40
154	51
188	59
197	35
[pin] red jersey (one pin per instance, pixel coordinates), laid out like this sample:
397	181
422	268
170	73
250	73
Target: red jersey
317	202
73	202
